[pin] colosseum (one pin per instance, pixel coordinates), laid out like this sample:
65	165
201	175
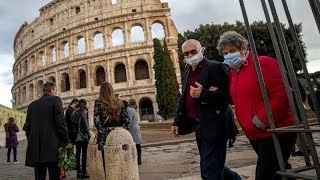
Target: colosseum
78	44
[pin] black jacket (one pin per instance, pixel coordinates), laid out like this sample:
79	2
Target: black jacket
69	111
211	106
84	125
45	129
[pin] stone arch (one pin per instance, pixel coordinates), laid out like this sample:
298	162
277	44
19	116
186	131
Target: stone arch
146	109
25	67
81	81
141	70
41	60
32	64
65	82
117	37
81	45
120	74
31	92
158	30
52	79
98	40
100	75
66	49
39	88
137	33
24	94
52	55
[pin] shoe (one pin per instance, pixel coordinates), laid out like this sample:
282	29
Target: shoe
16	162
8	162
85	175
79	175
297	153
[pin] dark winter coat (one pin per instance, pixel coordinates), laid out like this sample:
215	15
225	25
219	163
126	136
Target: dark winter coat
84	125
69	111
210	106
105	125
46	130
11	131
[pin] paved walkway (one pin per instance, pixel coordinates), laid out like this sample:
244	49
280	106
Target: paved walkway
179	161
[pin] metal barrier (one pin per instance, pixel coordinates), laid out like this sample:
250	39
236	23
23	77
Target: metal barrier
302	126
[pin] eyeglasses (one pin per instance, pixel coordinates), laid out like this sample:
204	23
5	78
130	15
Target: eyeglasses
192	52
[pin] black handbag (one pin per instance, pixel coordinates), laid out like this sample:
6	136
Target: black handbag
186	126
80	136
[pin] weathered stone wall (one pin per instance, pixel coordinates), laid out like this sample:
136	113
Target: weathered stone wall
40	48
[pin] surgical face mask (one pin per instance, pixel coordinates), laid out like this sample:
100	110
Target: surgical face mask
233	60
195	59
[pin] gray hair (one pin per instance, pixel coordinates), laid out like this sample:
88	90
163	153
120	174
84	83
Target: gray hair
132	103
192	41
48	86
231	38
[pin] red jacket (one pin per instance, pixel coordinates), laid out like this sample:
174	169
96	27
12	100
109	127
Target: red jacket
248	101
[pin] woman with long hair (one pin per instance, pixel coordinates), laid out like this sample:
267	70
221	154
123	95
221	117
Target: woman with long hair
109	113
80	123
11	139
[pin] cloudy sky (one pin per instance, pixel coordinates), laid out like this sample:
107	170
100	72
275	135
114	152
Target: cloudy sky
187	15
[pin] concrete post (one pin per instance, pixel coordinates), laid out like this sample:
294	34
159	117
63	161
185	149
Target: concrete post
120	156
95	159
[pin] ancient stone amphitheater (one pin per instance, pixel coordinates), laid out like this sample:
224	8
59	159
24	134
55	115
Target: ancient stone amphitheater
79	44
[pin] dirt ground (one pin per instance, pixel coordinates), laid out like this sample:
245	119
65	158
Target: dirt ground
160	135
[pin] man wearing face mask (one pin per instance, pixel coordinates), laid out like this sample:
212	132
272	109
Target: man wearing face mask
202	109
249	106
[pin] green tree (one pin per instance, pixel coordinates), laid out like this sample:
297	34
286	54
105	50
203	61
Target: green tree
209	35
181	39
166	80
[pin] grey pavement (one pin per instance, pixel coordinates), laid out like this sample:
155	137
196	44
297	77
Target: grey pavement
179	161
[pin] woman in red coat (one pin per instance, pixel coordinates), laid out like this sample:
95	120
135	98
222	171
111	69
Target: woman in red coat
249	106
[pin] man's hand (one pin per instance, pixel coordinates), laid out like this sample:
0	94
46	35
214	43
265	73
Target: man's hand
196	91
174	130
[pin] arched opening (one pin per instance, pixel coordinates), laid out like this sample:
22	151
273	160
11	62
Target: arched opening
120	73
24	94
81	81
65	82
137	34
157	31
141	70
66	51
117	37
25	67
52	79
30	92
100	76
81	45
32	63
39	88
146	109
98	41
53	55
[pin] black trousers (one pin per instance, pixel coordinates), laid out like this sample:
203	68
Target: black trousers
14	154
138	146
267	163
41	171
81	148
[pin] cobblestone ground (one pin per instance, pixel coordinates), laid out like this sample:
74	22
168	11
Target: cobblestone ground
180	161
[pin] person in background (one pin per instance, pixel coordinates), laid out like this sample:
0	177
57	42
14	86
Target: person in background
202	107
317	93
134	127
46	131
68	113
109	113
79	119
11	130
249	105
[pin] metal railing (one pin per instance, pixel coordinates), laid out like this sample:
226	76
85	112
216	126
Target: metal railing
302	126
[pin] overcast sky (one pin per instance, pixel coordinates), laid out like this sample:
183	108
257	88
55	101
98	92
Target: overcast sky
187	15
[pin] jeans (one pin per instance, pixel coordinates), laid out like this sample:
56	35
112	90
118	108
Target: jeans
82	146
212	159
14	154
267	163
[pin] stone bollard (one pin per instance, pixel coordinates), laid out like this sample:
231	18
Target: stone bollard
120	156
94	159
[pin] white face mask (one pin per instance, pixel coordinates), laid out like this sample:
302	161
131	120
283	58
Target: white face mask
195	59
